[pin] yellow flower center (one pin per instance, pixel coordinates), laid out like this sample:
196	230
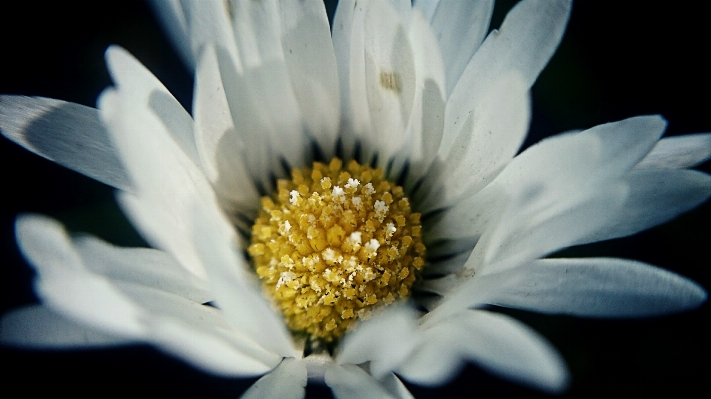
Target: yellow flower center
333	244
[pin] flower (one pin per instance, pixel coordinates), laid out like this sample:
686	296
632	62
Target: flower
612	182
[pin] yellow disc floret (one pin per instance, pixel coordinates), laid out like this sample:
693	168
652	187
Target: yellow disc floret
334	243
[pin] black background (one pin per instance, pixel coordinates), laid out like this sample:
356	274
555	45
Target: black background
618	59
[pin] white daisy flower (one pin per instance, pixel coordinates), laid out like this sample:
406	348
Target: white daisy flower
414	110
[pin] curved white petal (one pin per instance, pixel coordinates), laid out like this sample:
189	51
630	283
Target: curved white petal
164	311
385	340
390	78
678	152
184	328
655	196
424	128
525	42
142	266
426	7
263	84
236	293
468	218
287	381
351	382
403	9
218	142
311	63
460	26
495	342
396	388
137	85
163	229
598	287
523	233
208	23
348	45
557	171
169	183
492	135
37	326
530	229
64	284
173	18
70	134
203	349
586	158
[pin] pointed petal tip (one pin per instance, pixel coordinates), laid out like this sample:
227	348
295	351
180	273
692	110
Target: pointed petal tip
697	295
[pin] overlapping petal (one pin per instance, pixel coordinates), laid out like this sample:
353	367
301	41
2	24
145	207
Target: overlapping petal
128	311
495	342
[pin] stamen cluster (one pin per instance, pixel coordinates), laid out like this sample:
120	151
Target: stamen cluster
333	244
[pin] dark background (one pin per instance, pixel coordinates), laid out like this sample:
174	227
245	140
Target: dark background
618	59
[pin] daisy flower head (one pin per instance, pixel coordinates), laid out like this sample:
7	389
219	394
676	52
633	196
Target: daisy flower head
344	203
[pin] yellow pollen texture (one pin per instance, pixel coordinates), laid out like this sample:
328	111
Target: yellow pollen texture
333	244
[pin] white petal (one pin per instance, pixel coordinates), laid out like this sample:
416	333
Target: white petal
424	129
390	78
141	266
197	333
164	228
396	388
385	340
445	266
168	182
39	327
137	85
596	154
164	304
236	292
207	351
351	382
678	152
70	134
598	287
426	7
442	285
656	196
560	170
492	135
469	218
218	142
184	317
348	45
311	63
402	8
287	381
207	22
257	153
529	229
460	26
67	287
270	108
526	41
173	19
495	342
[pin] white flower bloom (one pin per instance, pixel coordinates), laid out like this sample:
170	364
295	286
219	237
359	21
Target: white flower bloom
422	92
